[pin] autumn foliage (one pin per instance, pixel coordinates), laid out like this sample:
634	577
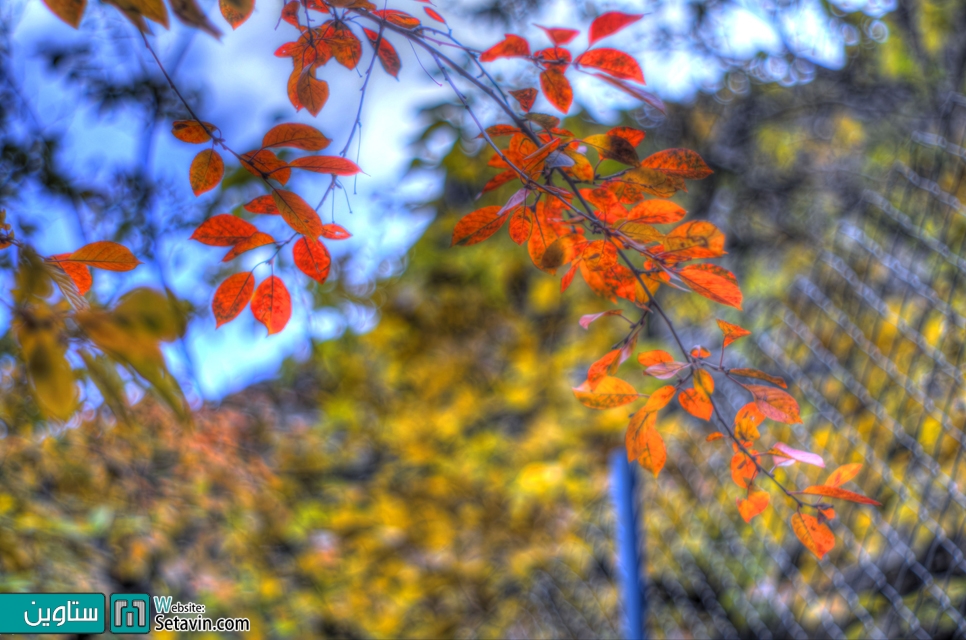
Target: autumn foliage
588	206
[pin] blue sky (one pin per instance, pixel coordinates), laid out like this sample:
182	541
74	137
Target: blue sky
244	87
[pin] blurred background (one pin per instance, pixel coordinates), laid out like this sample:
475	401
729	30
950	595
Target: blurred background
407	459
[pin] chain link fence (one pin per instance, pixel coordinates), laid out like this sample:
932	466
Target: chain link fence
871	340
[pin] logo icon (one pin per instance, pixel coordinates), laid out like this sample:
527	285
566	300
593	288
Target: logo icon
129	612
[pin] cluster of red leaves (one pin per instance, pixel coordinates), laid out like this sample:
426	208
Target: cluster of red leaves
610	65
271	303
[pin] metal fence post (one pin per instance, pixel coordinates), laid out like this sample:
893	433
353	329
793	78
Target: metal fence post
629	549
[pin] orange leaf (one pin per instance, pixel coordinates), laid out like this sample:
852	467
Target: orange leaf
775	403
717	435
435	16
610	22
104	254
312	93
272	305
695	239
398	18
843	474
633	136
841	494
653	453
262	204
713	282
521	224
614	148
680	162
265	164
500	179
605	366
659	399
752	506
479	225
557	88
614	62
609	393
70	11
254	241
641	422
223	230
700	352
525	97
327	164
743	469
657	183
703	381
499	130
296	136
650	358
695	402
732	332
236	12
511	47
232	296
759	375
191	131
816	537
388	57
79	273
334	232
206	171
312	258
297	213
656	212
558	35
746	422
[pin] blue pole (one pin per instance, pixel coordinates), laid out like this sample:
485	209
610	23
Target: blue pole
629	556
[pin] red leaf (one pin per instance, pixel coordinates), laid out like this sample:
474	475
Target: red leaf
327	164
312	93
614	62
312	258
717	435
272	305
79	273
816	537
265	164
388	57
841	494
223	230
398	18
656	212
262	204
525	97
511	47
633	136
296	136
236	11
479	225
558	35
435	16
713	282
610	22
254	241
557	89
206	171
290	13
679	162
232	296
192	131
743	469
297	213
